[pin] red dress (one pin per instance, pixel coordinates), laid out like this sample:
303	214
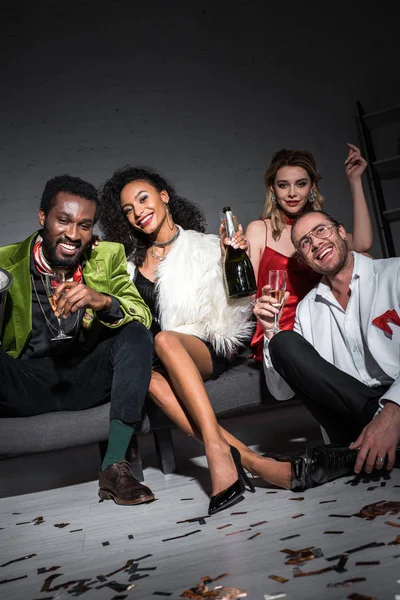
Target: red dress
300	279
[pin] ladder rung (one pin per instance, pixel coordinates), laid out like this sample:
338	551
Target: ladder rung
392	215
382	117
388	168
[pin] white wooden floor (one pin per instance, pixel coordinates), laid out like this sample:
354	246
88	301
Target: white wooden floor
65	527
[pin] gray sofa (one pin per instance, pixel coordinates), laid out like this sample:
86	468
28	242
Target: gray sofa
241	389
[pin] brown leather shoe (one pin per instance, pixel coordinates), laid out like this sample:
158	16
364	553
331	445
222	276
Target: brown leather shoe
118	483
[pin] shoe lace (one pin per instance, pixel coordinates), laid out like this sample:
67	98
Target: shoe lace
125	467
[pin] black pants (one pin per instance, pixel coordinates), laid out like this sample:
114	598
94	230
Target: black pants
341	404
117	370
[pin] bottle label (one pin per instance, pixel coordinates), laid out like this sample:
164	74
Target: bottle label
230	224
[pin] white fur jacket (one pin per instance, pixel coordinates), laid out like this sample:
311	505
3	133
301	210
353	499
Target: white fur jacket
192	297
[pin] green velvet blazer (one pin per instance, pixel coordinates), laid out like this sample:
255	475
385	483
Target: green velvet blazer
105	271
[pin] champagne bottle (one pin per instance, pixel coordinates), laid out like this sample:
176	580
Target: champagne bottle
239	274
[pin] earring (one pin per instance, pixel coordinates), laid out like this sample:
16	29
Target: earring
273	196
312	196
169	218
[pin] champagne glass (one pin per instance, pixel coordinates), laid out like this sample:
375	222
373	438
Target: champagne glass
277	281
51	282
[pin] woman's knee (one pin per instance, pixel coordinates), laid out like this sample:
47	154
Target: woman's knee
165	342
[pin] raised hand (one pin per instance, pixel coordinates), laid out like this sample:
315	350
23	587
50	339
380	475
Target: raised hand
71	296
265	310
355	164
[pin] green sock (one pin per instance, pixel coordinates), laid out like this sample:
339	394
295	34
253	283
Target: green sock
118	442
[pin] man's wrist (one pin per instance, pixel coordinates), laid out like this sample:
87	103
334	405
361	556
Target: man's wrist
391	407
107	302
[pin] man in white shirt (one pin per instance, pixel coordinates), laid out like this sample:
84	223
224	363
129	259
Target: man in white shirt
343	358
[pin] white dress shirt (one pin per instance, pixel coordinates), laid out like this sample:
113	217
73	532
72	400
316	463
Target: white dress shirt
350	352
345	342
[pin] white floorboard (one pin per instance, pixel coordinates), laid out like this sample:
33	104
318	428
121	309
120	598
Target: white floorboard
68	494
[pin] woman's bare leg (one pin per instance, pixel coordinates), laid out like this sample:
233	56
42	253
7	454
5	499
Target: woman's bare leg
188	362
187	420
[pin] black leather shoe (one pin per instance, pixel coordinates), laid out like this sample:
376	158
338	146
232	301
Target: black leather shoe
234	492
117	483
328	462
318	465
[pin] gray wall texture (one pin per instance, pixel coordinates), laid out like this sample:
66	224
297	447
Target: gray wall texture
203	91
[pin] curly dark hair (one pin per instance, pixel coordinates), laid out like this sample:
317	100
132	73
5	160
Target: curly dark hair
72	185
114	224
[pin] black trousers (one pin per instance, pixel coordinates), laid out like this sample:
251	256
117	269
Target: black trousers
341	404
117	370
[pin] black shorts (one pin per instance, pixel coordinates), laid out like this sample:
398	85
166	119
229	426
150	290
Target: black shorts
220	363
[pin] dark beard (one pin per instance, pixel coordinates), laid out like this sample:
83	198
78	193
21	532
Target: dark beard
50	255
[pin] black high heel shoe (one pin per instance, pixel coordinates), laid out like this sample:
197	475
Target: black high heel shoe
299	464
234	492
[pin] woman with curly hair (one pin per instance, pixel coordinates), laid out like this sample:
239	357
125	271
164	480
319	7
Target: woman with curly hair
197	329
291	181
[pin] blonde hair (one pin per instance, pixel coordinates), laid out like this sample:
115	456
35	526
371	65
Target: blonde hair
289	158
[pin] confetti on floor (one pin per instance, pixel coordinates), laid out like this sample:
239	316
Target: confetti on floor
13	579
278	578
254	536
219	592
360	597
257	524
346	582
177	537
358	549
295	557
239	531
10	562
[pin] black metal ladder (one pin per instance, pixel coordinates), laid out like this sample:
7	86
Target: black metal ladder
379	170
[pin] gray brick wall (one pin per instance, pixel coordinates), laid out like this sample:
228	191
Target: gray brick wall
204	92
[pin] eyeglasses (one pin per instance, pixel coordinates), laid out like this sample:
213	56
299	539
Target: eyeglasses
322	231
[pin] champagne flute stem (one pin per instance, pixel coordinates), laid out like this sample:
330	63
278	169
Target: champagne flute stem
275	322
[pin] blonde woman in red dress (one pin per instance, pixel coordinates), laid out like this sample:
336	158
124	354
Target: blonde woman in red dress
291	182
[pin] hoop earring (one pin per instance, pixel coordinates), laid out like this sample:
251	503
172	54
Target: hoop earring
273	196
312	196
135	242
169	217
